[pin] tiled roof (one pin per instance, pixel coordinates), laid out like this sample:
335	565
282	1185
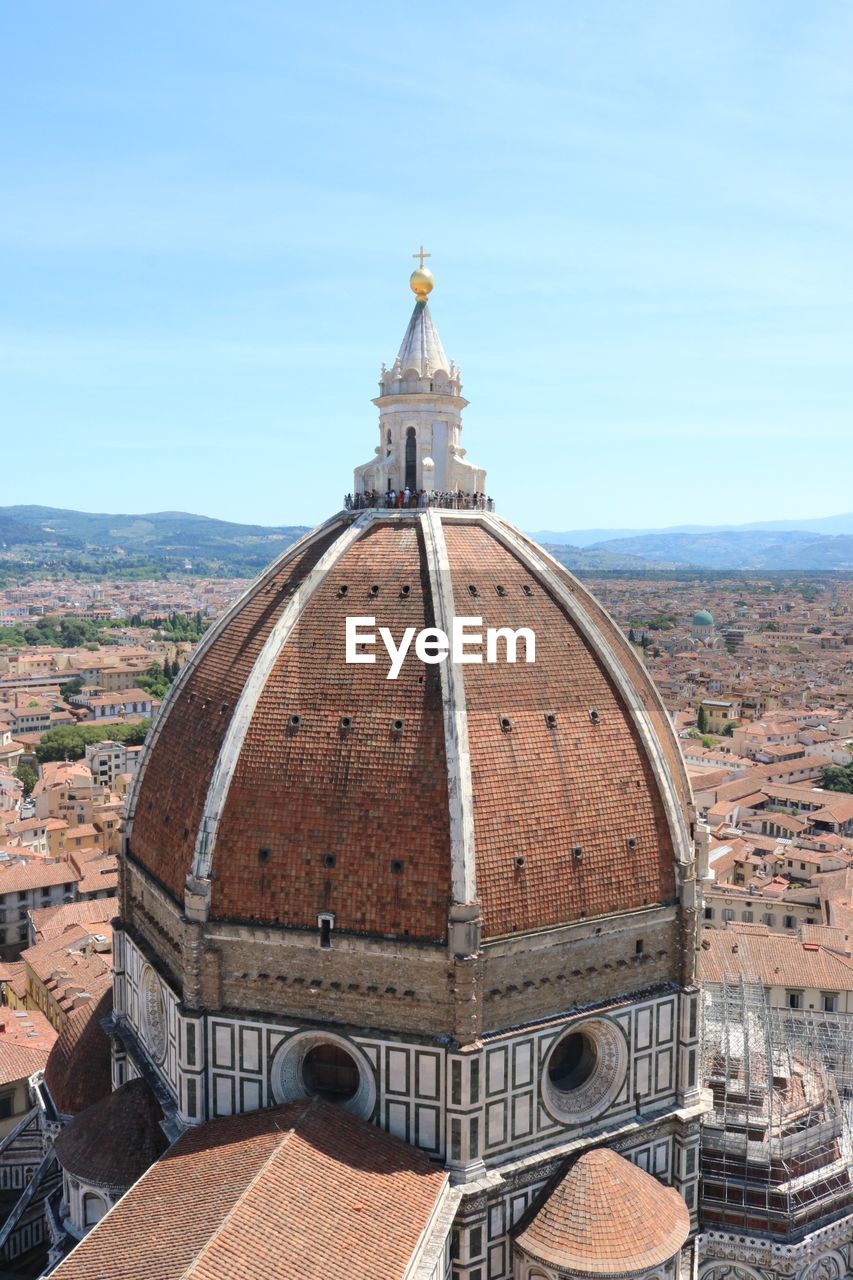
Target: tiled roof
78	1071
541	790
51	922
69	953
303	1191
775	960
356	821
19	1061
26	1039
28	1027
113	1142
36	875
605	1217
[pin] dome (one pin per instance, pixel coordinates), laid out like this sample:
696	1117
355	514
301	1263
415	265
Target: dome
78	1071
113	1142
702	618
282	782
607	1217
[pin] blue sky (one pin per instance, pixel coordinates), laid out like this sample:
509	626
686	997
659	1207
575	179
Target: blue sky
640	216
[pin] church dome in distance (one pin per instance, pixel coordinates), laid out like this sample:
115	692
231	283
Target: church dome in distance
702	618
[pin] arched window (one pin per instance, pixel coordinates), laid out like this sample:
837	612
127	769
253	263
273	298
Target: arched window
411	458
93	1209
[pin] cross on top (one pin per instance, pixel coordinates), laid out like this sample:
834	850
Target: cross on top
420	254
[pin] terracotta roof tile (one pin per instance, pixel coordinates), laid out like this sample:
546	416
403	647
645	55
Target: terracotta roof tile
303	1191
78	1071
114	1141
607	1216
315	815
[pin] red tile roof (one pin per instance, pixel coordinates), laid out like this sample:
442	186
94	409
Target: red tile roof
113	1142
78	1071
775	960
36	875
314	816
607	1216
50	922
303	1191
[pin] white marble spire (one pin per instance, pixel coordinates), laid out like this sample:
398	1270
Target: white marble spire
421	347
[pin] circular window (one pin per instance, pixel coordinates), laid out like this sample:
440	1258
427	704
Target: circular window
572	1062
329	1072
584	1071
317	1064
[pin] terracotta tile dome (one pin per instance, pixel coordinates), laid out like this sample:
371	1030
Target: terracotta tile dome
113	1142
607	1217
78	1072
292	783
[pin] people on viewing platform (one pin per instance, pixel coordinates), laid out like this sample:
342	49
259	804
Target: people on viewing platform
413	498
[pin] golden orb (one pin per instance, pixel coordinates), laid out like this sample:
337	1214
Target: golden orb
421	283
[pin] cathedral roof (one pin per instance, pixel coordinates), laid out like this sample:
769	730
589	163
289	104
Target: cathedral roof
302	1190
78	1071
607	1217
291	783
421	347
113	1142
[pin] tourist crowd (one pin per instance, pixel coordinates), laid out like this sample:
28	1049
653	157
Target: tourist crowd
413	498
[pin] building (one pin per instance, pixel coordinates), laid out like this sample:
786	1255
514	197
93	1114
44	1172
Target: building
702	627
407	940
114	706
26	887
803	972
391	894
108	760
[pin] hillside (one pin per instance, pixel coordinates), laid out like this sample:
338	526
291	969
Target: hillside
82	541
51	540
822	525
741	549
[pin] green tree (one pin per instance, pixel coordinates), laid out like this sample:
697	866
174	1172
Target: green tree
70	687
729	728
12	638
26	773
155	681
702	720
69	742
837	777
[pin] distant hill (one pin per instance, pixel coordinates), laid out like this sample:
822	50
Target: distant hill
170	539
737	550
589	559
827	525
34	538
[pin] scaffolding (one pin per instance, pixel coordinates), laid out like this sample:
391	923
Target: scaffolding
777	1155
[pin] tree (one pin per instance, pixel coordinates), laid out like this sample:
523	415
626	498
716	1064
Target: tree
26	773
729	728
12	638
837	777
69	742
702	720
155	681
70	687
632	636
